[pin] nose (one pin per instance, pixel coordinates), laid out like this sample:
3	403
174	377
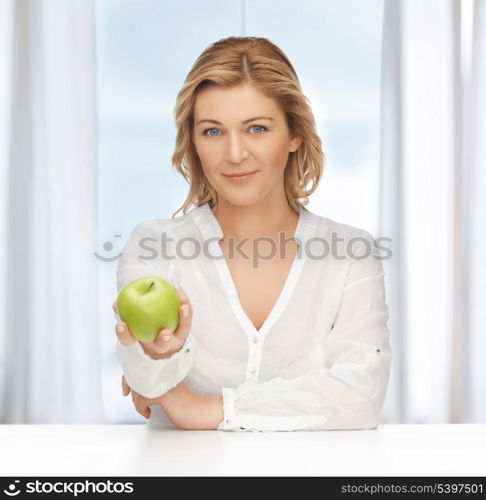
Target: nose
236	151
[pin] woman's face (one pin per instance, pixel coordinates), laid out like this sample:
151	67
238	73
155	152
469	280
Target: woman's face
239	130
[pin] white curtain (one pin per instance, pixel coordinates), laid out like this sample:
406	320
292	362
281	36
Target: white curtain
475	144
50	338
433	206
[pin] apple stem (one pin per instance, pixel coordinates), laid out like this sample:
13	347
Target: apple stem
151	285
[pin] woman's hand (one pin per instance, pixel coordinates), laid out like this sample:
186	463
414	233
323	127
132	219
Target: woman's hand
184	408
141	403
167	342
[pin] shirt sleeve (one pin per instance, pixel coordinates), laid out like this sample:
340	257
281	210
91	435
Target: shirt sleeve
142	257
349	391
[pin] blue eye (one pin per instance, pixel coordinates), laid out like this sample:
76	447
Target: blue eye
260	127
209	130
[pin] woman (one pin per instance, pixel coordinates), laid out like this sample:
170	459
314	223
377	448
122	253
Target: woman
274	333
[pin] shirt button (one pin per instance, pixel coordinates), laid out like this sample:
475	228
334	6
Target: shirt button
253	371
187	351
255	340
228	421
378	351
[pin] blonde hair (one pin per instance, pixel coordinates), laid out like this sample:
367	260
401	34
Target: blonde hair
230	62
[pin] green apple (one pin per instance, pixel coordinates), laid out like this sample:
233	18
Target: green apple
148	305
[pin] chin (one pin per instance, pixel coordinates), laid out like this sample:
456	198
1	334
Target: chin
243	200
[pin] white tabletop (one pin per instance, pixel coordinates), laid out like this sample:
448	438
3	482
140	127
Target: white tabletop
136	450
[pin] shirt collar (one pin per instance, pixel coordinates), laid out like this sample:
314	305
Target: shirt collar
211	229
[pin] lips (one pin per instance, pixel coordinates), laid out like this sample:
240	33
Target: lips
240	174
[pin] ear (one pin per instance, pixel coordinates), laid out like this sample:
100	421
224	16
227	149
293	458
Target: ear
294	144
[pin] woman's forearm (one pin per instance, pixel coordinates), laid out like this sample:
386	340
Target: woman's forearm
213	414
191	411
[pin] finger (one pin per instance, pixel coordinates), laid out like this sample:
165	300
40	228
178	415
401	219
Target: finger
115	312
163	341
164	337
142	408
185	322
183	296
123	334
125	387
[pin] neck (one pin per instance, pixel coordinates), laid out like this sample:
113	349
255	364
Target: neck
264	219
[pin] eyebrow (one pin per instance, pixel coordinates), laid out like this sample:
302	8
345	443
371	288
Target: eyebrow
243	122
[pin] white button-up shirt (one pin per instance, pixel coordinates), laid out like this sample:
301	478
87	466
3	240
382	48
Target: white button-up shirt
321	359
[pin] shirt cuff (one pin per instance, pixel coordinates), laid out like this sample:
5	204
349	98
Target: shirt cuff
136	351
229	422
153	377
